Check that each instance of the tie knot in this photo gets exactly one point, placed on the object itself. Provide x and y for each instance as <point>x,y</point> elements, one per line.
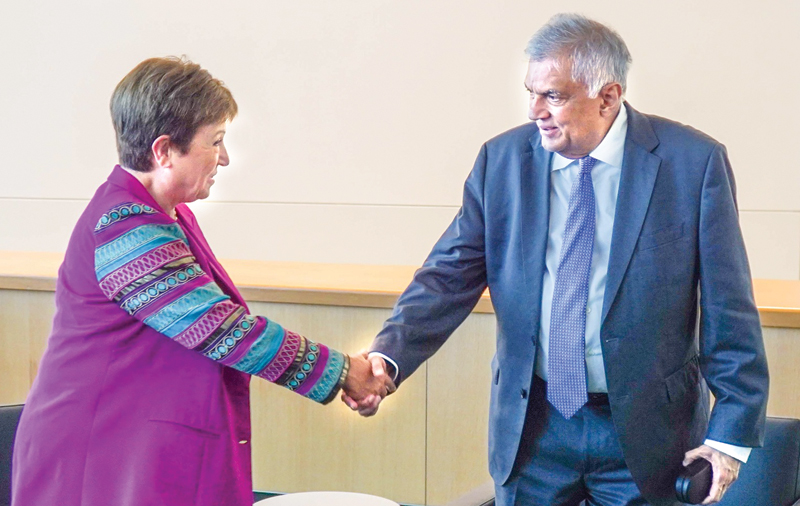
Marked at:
<point>586,163</point>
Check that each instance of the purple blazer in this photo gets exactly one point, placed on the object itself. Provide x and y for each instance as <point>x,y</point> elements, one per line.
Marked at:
<point>142,396</point>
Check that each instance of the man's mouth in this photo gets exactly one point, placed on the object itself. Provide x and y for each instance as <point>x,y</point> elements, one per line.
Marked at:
<point>547,130</point>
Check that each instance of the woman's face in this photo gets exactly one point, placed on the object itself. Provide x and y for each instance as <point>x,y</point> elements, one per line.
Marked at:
<point>193,173</point>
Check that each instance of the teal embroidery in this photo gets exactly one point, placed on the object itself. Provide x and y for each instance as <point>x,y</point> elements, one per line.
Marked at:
<point>121,212</point>
<point>330,377</point>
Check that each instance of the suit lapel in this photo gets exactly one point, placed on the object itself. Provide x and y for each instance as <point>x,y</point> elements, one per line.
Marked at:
<point>637,179</point>
<point>535,205</point>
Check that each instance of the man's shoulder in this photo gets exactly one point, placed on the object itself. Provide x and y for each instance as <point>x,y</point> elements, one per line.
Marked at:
<point>521,135</point>
<point>674,133</point>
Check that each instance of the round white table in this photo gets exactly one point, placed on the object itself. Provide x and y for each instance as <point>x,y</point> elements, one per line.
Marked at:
<point>326,499</point>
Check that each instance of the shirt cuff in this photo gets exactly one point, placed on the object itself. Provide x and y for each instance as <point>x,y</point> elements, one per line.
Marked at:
<point>392,362</point>
<point>740,453</point>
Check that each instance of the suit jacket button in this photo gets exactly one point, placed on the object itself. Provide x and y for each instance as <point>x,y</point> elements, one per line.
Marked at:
<point>523,393</point>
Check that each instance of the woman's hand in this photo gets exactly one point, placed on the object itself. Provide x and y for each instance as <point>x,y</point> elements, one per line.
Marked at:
<point>366,385</point>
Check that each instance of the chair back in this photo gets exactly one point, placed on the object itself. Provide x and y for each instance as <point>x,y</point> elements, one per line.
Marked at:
<point>9,418</point>
<point>771,476</point>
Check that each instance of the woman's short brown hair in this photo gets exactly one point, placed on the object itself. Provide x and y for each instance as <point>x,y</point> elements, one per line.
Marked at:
<point>165,96</point>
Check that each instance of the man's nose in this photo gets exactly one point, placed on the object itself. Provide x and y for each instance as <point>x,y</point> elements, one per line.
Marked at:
<point>537,108</point>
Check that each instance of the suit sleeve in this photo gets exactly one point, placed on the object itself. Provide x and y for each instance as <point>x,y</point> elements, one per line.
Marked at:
<point>732,356</point>
<point>144,264</point>
<point>445,289</point>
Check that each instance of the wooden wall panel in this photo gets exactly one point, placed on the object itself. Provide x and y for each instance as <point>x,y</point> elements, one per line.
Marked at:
<point>299,445</point>
<point>459,377</point>
<point>783,355</point>
<point>26,318</point>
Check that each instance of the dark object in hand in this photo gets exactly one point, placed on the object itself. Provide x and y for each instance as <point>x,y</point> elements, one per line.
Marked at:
<point>694,482</point>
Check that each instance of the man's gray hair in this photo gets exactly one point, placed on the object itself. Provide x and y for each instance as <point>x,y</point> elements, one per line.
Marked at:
<point>596,53</point>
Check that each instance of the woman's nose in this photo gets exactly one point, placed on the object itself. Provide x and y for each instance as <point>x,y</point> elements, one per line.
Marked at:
<point>223,155</point>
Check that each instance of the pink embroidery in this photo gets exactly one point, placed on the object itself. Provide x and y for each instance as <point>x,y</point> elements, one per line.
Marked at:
<point>206,324</point>
<point>143,265</point>
<point>284,358</point>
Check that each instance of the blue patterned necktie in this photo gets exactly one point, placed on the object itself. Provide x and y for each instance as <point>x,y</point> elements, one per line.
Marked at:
<point>566,363</point>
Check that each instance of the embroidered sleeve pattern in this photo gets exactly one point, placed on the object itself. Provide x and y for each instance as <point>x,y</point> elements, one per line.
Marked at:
<point>143,263</point>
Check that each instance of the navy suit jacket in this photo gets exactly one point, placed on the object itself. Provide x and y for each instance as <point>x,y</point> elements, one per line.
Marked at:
<point>678,309</point>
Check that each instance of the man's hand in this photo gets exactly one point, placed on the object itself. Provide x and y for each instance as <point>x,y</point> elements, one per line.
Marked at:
<point>724,467</point>
<point>366,385</point>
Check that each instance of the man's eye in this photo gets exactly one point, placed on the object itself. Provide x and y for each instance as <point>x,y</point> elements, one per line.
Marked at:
<point>555,98</point>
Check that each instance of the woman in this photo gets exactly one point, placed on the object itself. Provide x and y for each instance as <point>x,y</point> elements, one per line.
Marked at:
<point>142,395</point>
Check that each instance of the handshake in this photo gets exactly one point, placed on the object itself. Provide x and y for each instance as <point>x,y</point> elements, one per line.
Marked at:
<point>367,383</point>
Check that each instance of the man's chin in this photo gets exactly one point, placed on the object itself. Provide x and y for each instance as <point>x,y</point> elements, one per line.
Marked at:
<point>550,145</point>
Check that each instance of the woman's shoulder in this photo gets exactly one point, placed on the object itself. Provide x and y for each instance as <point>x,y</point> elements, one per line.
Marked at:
<point>115,210</point>
<point>120,204</point>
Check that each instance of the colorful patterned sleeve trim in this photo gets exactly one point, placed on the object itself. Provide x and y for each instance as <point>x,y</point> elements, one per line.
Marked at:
<point>340,381</point>
<point>143,263</point>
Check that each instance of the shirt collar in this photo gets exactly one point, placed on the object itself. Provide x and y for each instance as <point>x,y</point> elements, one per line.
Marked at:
<point>610,149</point>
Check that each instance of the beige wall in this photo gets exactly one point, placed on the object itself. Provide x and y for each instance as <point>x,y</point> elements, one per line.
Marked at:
<point>361,118</point>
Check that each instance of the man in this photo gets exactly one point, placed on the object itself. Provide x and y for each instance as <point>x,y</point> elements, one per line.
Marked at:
<point>610,244</point>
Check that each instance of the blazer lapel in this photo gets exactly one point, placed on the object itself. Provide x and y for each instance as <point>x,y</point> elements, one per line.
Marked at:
<point>637,179</point>
<point>535,205</point>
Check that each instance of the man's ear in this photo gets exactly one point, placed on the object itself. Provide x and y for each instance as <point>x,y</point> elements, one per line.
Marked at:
<point>611,95</point>
<point>161,150</point>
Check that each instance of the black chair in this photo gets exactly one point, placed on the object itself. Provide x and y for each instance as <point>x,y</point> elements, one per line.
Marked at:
<point>771,476</point>
<point>9,418</point>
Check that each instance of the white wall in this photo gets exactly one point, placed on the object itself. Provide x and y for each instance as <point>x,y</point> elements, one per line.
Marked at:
<point>361,118</point>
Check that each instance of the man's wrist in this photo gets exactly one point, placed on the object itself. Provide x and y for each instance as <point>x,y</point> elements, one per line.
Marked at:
<point>740,453</point>
<point>391,366</point>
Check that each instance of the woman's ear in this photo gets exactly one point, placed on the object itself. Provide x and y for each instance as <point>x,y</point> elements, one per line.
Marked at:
<point>161,149</point>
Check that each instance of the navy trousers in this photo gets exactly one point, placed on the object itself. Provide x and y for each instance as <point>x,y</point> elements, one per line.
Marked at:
<point>563,462</point>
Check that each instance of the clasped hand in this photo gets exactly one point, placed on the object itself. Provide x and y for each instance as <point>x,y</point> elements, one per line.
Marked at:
<point>366,385</point>
<point>725,470</point>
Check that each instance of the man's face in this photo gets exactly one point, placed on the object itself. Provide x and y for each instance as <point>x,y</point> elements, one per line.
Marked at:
<point>571,123</point>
